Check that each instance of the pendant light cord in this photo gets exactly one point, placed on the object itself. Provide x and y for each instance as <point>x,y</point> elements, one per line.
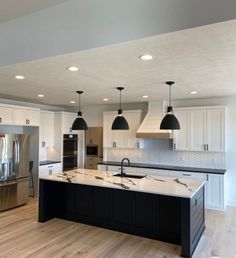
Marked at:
<point>120,100</point>
<point>169,95</point>
<point>79,102</point>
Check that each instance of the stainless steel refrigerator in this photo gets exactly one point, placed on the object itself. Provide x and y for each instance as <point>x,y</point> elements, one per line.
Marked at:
<point>14,170</point>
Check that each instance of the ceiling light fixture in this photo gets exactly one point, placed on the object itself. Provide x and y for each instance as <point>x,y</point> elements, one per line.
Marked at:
<point>79,123</point>
<point>145,96</point>
<point>120,123</point>
<point>72,102</point>
<point>146,57</point>
<point>169,122</point>
<point>193,92</point>
<point>105,99</point>
<point>19,77</point>
<point>73,68</point>
<point>41,95</point>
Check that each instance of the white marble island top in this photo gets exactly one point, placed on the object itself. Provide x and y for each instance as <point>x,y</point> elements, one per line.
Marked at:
<point>170,186</point>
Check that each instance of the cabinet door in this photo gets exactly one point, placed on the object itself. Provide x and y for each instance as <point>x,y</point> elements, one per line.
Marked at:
<point>83,201</point>
<point>20,116</point>
<point>197,130</point>
<point>47,129</point>
<point>102,204</point>
<point>215,130</point>
<point>6,116</point>
<point>109,136</point>
<point>67,121</point>
<point>121,138</point>
<point>181,137</point>
<point>33,117</point>
<point>146,212</point>
<point>123,207</point>
<point>215,192</point>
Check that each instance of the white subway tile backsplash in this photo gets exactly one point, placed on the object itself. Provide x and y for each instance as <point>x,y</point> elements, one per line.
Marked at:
<point>160,152</point>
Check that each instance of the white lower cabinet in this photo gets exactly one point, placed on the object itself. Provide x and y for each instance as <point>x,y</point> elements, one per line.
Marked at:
<point>214,187</point>
<point>101,167</point>
<point>215,192</point>
<point>49,169</point>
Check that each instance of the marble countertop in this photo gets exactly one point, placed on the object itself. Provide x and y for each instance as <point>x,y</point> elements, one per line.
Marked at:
<point>168,167</point>
<point>170,186</point>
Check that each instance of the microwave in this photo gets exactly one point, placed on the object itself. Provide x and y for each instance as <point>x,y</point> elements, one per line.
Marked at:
<point>92,150</point>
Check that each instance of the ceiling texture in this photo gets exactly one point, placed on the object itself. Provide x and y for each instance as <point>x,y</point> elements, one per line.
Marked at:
<point>8,10</point>
<point>201,59</point>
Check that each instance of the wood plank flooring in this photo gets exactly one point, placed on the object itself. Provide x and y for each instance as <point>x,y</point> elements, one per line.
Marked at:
<point>22,236</point>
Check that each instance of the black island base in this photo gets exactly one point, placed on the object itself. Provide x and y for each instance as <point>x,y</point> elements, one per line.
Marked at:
<point>171,219</point>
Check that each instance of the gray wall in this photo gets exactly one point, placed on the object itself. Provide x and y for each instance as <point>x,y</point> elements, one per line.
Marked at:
<point>78,24</point>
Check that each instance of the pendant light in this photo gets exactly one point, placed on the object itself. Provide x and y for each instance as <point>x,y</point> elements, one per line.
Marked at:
<point>79,123</point>
<point>120,123</point>
<point>169,122</point>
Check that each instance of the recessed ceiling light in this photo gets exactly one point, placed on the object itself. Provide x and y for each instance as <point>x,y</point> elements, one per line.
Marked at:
<point>145,96</point>
<point>41,95</point>
<point>146,57</point>
<point>193,92</point>
<point>19,77</point>
<point>105,99</point>
<point>73,68</point>
<point>72,102</point>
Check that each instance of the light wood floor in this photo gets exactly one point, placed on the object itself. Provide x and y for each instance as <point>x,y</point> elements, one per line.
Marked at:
<point>22,236</point>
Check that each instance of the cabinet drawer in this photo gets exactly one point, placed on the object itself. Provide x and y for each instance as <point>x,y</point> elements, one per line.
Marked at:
<point>49,169</point>
<point>187,174</point>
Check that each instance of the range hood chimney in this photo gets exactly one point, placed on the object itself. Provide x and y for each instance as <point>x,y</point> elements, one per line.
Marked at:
<point>150,127</point>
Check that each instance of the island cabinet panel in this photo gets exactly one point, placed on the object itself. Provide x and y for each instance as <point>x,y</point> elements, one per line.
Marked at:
<point>102,204</point>
<point>146,213</point>
<point>83,206</point>
<point>169,219</point>
<point>123,208</point>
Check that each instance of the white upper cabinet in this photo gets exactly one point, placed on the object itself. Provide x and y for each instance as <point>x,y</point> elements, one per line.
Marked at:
<point>6,115</point>
<point>26,116</point>
<point>197,124</point>
<point>46,134</point>
<point>201,129</point>
<point>121,138</point>
<point>215,130</point>
<point>67,121</point>
<point>18,115</point>
<point>181,137</point>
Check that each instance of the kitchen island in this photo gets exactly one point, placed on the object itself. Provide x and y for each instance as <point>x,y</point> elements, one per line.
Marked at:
<point>164,208</point>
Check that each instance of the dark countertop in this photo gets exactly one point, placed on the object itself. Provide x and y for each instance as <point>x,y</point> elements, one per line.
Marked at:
<point>48,162</point>
<point>166,167</point>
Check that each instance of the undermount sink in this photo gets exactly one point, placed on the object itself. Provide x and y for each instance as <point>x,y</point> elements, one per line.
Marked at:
<point>130,176</point>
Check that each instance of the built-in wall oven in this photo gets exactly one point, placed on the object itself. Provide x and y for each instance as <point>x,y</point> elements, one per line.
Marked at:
<point>70,151</point>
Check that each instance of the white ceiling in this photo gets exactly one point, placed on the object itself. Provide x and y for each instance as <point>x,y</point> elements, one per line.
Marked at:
<point>11,9</point>
<point>201,59</point>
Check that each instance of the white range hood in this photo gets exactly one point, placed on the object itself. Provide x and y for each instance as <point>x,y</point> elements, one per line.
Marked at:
<point>150,127</point>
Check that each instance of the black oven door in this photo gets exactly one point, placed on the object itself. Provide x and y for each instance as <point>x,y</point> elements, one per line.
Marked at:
<point>70,162</point>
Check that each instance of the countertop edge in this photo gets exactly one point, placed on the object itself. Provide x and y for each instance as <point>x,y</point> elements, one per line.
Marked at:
<point>133,190</point>
<point>189,169</point>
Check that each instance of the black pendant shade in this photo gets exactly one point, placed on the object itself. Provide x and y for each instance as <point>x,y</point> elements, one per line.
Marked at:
<point>79,123</point>
<point>120,123</point>
<point>170,122</point>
